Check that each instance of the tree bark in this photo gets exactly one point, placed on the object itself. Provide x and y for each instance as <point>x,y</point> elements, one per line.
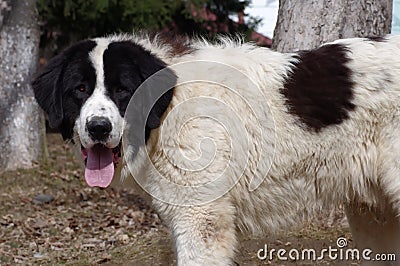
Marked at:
<point>307,24</point>
<point>21,134</point>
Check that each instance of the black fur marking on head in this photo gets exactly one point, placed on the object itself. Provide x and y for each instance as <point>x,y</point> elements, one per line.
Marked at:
<point>126,66</point>
<point>319,90</point>
<point>56,87</point>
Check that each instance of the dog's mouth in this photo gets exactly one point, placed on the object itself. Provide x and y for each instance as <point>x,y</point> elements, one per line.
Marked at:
<point>100,162</point>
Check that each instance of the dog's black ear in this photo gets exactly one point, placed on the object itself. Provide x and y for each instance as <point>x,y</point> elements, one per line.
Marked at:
<point>48,90</point>
<point>165,78</point>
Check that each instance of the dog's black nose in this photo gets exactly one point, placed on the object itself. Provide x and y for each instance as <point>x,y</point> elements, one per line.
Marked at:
<point>99,128</point>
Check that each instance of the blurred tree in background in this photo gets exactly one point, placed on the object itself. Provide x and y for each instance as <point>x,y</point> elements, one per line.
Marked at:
<point>66,21</point>
<point>208,17</point>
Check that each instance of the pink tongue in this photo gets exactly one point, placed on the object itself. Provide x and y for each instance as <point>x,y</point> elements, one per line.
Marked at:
<point>99,166</point>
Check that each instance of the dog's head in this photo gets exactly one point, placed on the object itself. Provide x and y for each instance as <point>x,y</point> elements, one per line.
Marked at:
<point>85,91</point>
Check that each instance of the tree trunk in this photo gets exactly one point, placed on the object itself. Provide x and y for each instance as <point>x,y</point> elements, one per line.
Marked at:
<point>21,134</point>
<point>307,24</point>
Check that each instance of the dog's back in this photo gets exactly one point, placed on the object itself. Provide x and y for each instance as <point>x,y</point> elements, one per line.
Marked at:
<point>321,129</point>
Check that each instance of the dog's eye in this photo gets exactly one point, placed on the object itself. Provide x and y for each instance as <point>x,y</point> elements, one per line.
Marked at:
<point>81,88</point>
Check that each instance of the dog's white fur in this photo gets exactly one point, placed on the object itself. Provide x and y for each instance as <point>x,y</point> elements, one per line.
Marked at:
<point>355,163</point>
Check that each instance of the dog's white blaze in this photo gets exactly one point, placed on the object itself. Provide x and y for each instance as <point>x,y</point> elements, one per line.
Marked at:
<point>99,104</point>
<point>96,57</point>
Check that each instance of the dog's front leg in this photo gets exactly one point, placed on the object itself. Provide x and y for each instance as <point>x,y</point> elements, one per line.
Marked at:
<point>203,235</point>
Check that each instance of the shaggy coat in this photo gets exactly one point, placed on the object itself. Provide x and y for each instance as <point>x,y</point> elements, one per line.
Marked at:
<point>244,139</point>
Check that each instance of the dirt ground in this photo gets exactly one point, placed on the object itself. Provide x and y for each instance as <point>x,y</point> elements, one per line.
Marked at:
<point>49,216</point>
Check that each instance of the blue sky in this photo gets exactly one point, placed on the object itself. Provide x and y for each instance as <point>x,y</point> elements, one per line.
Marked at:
<point>268,10</point>
<point>396,17</point>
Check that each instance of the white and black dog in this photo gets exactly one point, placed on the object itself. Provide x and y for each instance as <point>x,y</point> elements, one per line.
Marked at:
<point>321,128</point>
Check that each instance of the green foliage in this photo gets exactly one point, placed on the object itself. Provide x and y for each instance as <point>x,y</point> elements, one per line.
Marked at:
<point>87,18</point>
<point>70,20</point>
<point>222,9</point>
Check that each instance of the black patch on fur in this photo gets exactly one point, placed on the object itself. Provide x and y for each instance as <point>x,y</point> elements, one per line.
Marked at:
<point>377,38</point>
<point>56,86</point>
<point>319,90</point>
<point>126,66</point>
